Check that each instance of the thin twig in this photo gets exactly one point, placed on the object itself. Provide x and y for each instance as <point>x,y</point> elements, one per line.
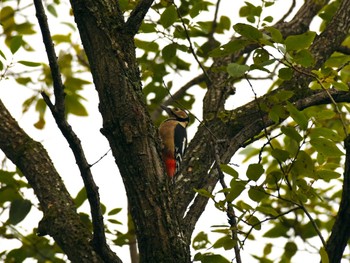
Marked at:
<point>230,211</point>
<point>137,15</point>
<point>58,112</point>
<point>191,46</point>
<point>178,94</point>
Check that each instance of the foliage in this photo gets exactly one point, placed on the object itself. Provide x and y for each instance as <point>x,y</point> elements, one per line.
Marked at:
<point>289,185</point>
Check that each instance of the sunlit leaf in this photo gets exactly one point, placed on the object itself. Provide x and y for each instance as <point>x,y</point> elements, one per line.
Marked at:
<point>298,116</point>
<point>229,170</point>
<point>298,42</point>
<point>275,34</point>
<point>29,63</point>
<point>236,70</point>
<point>326,147</point>
<point>324,255</point>
<point>280,155</point>
<point>292,133</point>
<point>204,192</point>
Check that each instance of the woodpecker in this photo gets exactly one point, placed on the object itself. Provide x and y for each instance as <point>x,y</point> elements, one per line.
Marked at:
<point>174,139</point>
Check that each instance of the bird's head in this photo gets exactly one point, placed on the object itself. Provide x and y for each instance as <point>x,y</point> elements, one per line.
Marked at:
<point>176,114</point>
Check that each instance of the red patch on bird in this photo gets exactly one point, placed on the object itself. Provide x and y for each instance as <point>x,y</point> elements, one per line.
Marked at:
<point>170,165</point>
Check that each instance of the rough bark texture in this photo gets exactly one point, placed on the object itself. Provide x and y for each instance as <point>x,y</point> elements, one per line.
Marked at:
<point>60,220</point>
<point>341,229</point>
<point>127,126</point>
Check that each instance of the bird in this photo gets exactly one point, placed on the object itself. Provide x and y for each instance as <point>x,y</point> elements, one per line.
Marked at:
<point>173,135</point>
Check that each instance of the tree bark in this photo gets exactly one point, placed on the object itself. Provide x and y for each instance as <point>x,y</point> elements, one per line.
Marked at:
<point>60,220</point>
<point>109,45</point>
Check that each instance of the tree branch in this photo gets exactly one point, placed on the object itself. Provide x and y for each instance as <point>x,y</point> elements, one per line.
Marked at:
<point>244,122</point>
<point>60,219</point>
<point>341,229</point>
<point>137,15</point>
<point>58,112</point>
<point>214,100</point>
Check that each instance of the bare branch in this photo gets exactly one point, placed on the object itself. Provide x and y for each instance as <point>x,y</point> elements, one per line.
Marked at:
<point>341,229</point>
<point>58,112</point>
<point>51,54</point>
<point>191,46</point>
<point>137,15</point>
<point>60,220</point>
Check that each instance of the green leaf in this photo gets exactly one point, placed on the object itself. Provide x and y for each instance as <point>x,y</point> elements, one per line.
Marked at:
<point>276,35</point>
<point>280,155</point>
<point>326,147</point>
<point>29,63</point>
<point>327,175</point>
<point>298,42</point>
<point>260,56</point>
<point>210,258</point>
<point>8,194</point>
<point>341,86</point>
<point>168,17</point>
<point>2,54</point>
<point>147,45</point>
<point>169,52</point>
<point>200,241</point>
<point>16,43</point>
<point>229,48</point>
<point>278,230</point>
<point>303,165</point>
<point>254,171</point>
<point>257,193</point>
<point>225,242</point>
<point>229,170</point>
<point>285,73</point>
<point>298,116</point>
<point>74,106</point>
<point>247,31</point>
<point>80,198</point>
<point>326,133</point>
<point>114,211</point>
<point>255,222</point>
<point>267,210</point>
<point>19,209</point>
<point>303,58</point>
<point>204,192</point>
<point>324,255</point>
<point>236,70</point>
<point>292,133</point>
<point>290,249</point>
<point>52,10</point>
<point>237,187</point>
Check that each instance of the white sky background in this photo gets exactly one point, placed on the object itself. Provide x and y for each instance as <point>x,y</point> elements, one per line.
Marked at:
<point>95,145</point>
